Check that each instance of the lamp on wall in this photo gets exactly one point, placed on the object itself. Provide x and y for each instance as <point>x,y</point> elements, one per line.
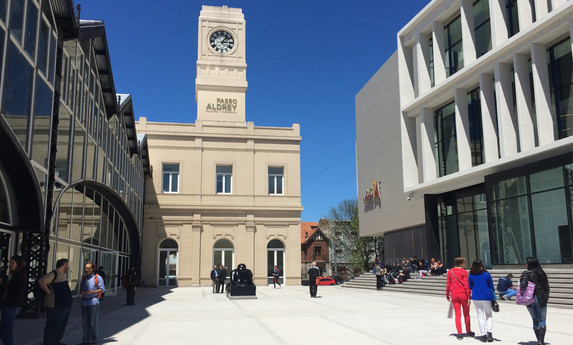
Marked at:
<point>410,196</point>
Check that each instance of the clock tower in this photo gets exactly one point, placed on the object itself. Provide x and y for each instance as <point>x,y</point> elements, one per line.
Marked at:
<point>221,82</point>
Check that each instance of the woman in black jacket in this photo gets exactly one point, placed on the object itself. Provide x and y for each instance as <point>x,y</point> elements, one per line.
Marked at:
<point>14,290</point>
<point>538,309</point>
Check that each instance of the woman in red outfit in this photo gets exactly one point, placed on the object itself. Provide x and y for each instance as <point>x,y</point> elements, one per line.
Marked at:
<point>458,291</point>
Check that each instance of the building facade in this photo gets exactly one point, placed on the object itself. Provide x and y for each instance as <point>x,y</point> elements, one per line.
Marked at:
<point>314,247</point>
<point>71,176</point>
<point>223,191</point>
<point>484,117</point>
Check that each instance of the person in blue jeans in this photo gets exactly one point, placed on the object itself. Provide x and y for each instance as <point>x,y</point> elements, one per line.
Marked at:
<point>14,289</point>
<point>538,309</point>
<point>92,286</point>
<point>505,287</point>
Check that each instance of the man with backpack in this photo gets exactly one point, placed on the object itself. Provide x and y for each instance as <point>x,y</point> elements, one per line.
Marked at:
<point>91,289</point>
<point>57,302</point>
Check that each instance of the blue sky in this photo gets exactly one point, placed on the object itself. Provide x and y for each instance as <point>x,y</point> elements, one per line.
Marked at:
<point>306,61</point>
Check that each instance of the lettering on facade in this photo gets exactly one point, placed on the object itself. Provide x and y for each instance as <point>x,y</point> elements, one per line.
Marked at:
<point>223,105</point>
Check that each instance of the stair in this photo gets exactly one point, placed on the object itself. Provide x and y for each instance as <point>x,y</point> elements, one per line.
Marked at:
<point>560,281</point>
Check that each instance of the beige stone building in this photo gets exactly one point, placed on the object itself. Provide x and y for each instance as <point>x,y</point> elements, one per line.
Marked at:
<point>222,190</point>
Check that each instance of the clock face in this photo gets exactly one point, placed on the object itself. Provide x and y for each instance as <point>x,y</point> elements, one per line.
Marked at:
<point>222,41</point>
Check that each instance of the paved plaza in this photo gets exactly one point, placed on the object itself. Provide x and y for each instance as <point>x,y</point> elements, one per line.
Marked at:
<point>289,316</point>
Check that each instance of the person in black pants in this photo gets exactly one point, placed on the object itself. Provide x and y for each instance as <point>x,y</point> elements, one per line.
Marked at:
<point>131,281</point>
<point>313,273</point>
<point>221,279</point>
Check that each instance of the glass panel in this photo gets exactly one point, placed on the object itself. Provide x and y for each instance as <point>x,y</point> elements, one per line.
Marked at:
<point>75,271</point>
<point>217,257</point>
<point>88,228</point>
<point>223,243</point>
<point>561,77</point>
<point>97,220</point>
<point>64,129</point>
<point>43,40</point>
<point>483,237</point>
<point>16,19</point>
<point>514,230</point>
<point>109,263</point>
<point>77,214</point>
<point>482,27</point>
<point>64,215</point>
<point>511,187</point>
<point>78,152</point>
<point>454,58</point>
<point>3,10</point>
<point>52,57</point>
<point>162,268</point>
<point>31,22</point>
<point>270,266</point>
<point>172,273</point>
<point>4,210</point>
<point>547,179</point>
<point>90,157</point>
<point>42,121</point>
<point>551,227</point>
<point>17,93</point>
<point>445,140</point>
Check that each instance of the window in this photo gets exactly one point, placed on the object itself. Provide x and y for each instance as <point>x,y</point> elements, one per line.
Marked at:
<point>482,27</point>
<point>445,146</point>
<point>317,251</point>
<point>476,131</point>
<point>170,178</point>
<point>561,79</point>
<point>454,57</point>
<point>224,179</point>
<point>431,62</point>
<point>511,17</point>
<point>276,178</point>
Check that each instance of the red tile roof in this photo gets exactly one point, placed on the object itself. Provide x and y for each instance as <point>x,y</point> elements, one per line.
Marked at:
<point>307,229</point>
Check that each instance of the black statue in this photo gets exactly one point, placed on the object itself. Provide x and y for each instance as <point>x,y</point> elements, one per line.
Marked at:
<point>241,276</point>
<point>241,285</point>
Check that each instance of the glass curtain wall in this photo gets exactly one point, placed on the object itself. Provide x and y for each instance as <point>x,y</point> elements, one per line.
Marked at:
<point>445,145</point>
<point>453,52</point>
<point>532,216</point>
<point>463,227</point>
<point>86,222</point>
<point>476,129</point>
<point>482,27</point>
<point>561,79</point>
<point>511,17</point>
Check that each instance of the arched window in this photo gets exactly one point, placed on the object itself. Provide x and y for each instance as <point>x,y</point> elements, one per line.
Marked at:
<point>223,253</point>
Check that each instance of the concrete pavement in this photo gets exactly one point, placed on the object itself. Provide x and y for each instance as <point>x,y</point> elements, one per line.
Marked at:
<point>288,315</point>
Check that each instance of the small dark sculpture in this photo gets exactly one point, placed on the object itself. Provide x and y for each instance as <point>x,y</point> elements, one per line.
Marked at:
<point>241,276</point>
<point>241,285</point>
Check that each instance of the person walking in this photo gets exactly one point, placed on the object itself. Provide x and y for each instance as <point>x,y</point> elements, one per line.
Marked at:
<point>214,274</point>
<point>221,279</point>
<point>458,292</point>
<point>481,284</point>
<point>14,289</point>
<point>538,309</point>
<point>276,274</point>
<point>57,303</point>
<point>313,273</point>
<point>131,281</point>
<point>92,285</point>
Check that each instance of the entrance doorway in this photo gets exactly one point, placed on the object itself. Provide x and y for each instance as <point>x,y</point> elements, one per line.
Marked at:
<point>224,253</point>
<point>167,276</point>
<point>275,257</point>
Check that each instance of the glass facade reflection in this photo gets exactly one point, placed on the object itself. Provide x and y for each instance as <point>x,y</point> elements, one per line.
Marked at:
<point>80,188</point>
<point>531,215</point>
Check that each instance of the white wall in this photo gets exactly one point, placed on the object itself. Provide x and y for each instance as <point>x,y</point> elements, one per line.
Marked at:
<point>379,157</point>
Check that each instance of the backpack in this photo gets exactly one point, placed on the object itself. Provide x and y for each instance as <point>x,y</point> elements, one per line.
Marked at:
<point>96,285</point>
<point>39,293</point>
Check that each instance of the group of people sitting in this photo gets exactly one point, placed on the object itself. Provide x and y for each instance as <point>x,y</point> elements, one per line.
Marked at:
<point>399,273</point>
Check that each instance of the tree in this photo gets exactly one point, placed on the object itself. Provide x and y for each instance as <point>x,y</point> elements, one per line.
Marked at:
<point>345,231</point>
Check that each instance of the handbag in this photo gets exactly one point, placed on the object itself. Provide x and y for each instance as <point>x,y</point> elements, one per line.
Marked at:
<point>525,295</point>
<point>494,304</point>
<point>451,310</point>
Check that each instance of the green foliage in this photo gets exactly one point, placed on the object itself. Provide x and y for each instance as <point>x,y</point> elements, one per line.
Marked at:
<point>345,231</point>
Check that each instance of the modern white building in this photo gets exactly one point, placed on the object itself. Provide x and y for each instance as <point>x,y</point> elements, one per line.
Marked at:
<point>482,166</point>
